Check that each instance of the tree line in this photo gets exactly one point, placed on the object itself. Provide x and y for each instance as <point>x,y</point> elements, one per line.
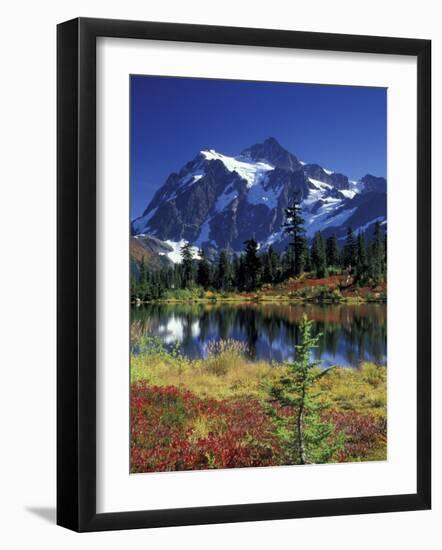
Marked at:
<point>363,257</point>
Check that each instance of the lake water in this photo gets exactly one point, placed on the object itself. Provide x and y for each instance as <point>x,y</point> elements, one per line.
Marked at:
<point>351,333</point>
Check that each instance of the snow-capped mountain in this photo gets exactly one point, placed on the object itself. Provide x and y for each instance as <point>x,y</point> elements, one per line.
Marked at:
<point>218,201</point>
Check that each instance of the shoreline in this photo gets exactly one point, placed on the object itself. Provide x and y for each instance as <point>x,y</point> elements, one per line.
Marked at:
<point>330,290</point>
<point>260,300</point>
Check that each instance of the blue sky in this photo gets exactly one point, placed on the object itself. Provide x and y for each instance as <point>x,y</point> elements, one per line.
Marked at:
<point>342,128</point>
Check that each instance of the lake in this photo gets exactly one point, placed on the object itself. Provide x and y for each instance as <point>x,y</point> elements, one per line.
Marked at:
<point>351,333</point>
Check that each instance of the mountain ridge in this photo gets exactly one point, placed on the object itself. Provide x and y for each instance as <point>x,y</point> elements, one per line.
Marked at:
<point>218,201</point>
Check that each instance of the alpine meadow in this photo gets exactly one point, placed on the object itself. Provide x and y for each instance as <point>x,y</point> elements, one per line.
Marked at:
<point>258,283</point>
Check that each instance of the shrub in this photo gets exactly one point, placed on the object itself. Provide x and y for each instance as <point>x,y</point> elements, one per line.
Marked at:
<point>376,297</point>
<point>216,347</point>
<point>333,270</point>
<point>373,374</point>
<point>362,390</point>
<point>185,294</point>
<point>174,430</point>
<point>224,355</point>
<point>364,436</point>
<point>320,293</point>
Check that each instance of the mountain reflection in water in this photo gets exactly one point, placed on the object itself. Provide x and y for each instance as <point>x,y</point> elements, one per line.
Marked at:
<point>351,333</point>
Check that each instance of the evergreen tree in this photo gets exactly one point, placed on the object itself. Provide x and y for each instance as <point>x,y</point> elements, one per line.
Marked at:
<point>252,265</point>
<point>377,264</point>
<point>308,257</point>
<point>241,275</point>
<point>203,276</point>
<point>133,289</point>
<point>318,257</point>
<point>177,276</point>
<point>294,226</point>
<point>167,278</point>
<point>145,293</point>
<point>271,266</point>
<point>235,271</point>
<point>143,270</point>
<point>306,438</point>
<point>362,259</point>
<point>187,265</point>
<point>288,262</point>
<point>224,272</point>
<point>332,251</point>
<point>142,289</point>
<point>156,286</point>
<point>349,254</point>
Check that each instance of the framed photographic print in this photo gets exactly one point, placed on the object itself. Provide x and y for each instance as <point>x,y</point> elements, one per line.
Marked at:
<point>243,274</point>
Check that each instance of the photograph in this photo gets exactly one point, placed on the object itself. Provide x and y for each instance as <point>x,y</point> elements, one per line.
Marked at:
<point>258,264</point>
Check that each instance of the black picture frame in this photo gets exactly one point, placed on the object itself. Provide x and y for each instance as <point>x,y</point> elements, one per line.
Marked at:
<point>76,274</point>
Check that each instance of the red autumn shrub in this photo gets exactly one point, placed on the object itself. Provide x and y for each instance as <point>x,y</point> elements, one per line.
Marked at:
<point>362,434</point>
<point>164,437</point>
<point>238,432</point>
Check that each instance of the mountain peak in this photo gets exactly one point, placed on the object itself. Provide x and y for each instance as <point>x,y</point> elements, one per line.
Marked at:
<point>272,151</point>
<point>374,183</point>
<point>271,141</point>
<point>217,201</point>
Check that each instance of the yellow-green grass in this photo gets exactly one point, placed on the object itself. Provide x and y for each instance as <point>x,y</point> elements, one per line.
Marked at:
<point>362,390</point>
<point>219,376</point>
<point>230,374</point>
